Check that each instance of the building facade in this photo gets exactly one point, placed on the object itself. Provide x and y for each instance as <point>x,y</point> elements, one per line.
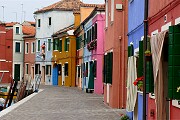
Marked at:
<point>64,57</point>
<point>6,46</point>
<point>135,38</point>
<point>115,48</point>
<point>47,25</point>
<point>163,16</point>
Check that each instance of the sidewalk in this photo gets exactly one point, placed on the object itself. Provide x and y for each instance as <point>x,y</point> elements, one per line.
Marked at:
<point>62,103</point>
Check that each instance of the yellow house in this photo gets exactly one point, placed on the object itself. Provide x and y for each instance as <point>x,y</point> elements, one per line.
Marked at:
<point>64,57</point>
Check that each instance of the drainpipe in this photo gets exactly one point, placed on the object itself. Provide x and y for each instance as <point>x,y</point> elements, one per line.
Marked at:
<point>144,49</point>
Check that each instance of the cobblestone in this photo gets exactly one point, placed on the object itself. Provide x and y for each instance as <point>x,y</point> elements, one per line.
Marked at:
<point>62,103</point>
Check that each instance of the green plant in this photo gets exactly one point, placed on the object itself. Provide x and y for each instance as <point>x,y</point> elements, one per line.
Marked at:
<point>124,117</point>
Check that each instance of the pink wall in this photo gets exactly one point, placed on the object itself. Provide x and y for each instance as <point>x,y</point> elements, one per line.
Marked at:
<point>99,53</point>
<point>155,23</point>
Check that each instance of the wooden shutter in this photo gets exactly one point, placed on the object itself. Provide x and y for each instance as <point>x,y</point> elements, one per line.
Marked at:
<point>173,62</point>
<point>130,50</point>
<point>65,44</point>
<point>110,67</point>
<point>16,72</point>
<point>140,60</point>
<point>60,45</point>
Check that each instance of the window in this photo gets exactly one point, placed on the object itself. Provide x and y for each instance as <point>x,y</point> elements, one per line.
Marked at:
<point>90,34</point>
<point>59,69</point>
<point>38,45</point>
<point>112,10</point>
<point>39,22</point>
<point>66,69</point>
<point>86,69</point>
<point>88,38</point>
<point>60,45</point>
<point>17,72</point>
<point>55,44</point>
<point>32,47</point>
<point>79,71</point>
<point>48,69</point>
<point>27,68</point>
<point>67,42</point>
<point>49,44</point>
<point>37,68</point>
<point>107,12</point>
<point>93,33</point>
<point>17,48</point>
<point>95,30</point>
<point>17,30</point>
<point>84,39</point>
<point>49,20</point>
<point>27,48</point>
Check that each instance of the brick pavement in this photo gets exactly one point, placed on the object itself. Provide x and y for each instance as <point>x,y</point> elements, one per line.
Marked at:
<point>62,103</point>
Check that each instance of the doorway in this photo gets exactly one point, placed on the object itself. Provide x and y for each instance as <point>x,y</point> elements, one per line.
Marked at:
<point>63,75</point>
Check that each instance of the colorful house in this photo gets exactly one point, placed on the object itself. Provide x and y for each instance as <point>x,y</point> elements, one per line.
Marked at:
<point>164,16</point>
<point>135,43</point>
<point>47,24</point>
<point>29,52</point>
<point>115,57</point>
<point>82,13</point>
<point>93,50</point>
<point>6,48</point>
<point>64,57</point>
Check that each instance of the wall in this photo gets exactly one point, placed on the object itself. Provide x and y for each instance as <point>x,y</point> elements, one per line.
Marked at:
<point>116,41</point>
<point>158,23</point>
<point>85,11</point>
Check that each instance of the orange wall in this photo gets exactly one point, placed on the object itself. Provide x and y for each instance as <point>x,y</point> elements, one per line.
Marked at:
<point>69,57</point>
<point>85,12</point>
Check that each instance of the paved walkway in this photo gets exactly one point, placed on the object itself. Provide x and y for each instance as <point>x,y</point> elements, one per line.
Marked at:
<point>62,103</point>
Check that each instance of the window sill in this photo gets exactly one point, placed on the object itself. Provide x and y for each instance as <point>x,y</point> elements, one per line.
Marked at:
<point>152,95</point>
<point>175,103</point>
<point>55,50</point>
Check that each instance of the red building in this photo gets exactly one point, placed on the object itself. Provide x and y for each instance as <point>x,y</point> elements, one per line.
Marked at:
<point>6,48</point>
<point>162,14</point>
<point>115,48</point>
<point>29,51</point>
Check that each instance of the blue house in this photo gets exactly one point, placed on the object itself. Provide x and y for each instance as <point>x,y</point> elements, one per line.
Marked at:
<point>135,38</point>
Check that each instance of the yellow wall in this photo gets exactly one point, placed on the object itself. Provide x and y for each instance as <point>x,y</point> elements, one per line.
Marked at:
<point>85,12</point>
<point>70,57</point>
<point>77,19</point>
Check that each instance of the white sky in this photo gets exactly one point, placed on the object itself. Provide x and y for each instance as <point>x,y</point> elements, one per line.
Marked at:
<point>13,7</point>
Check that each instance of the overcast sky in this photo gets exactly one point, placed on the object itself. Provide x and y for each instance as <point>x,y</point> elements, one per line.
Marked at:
<point>15,7</point>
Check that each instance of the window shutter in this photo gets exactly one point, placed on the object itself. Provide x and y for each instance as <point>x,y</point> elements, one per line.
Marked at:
<point>104,70</point>
<point>65,44</point>
<point>60,45</point>
<point>84,38</point>
<point>77,43</point>
<point>140,60</point>
<point>173,63</point>
<point>110,67</point>
<point>108,75</point>
<point>95,30</point>
<point>130,50</point>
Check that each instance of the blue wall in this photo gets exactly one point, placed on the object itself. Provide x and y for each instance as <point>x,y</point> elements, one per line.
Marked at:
<point>140,106</point>
<point>135,22</point>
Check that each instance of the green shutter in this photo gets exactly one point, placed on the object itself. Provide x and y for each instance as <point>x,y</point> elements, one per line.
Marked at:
<point>104,70</point>
<point>16,72</point>
<point>108,75</point>
<point>149,77</point>
<point>140,60</point>
<point>130,50</point>
<point>110,67</point>
<point>65,44</point>
<point>91,77</point>
<point>173,62</point>
<point>60,45</point>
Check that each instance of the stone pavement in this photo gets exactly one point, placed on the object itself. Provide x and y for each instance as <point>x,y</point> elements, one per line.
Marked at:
<point>64,103</point>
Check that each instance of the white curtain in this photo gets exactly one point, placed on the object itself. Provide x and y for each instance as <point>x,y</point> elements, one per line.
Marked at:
<point>131,89</point>
<point>157,42</point>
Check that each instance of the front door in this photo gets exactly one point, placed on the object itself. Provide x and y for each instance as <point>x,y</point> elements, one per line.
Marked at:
<point>63,76</point>
<point>17,72</point>
<point>43,74</point>
<point>55,75</point>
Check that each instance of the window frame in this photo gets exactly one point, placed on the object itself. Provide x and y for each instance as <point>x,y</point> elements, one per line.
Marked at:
<point>49,21</point>
<point>33,47</point>
<point>17,33</point>
<point>27,68</point>
<point>49,45</point>
<point>39,23</point>
<point>38,45</point>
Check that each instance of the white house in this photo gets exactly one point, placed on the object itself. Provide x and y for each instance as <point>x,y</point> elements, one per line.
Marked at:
<point>49,20</point>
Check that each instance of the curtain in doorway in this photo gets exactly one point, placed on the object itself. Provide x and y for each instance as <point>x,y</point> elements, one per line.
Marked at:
<point>131,89</point>
<point>157,42</point>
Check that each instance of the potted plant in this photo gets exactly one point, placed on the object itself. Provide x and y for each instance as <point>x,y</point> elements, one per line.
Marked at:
<point>139,83</point>
<point>124,117</point>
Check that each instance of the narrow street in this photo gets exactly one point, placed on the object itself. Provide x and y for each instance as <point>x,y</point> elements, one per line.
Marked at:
<point>63,103</point>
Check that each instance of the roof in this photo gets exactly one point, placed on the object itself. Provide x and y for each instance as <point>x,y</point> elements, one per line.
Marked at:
<point>29,36</point>
<point>94,5</point>
<point>71,27</point>
<point>28,30</point>
<point>10,24</point>
<point>63,5</point>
